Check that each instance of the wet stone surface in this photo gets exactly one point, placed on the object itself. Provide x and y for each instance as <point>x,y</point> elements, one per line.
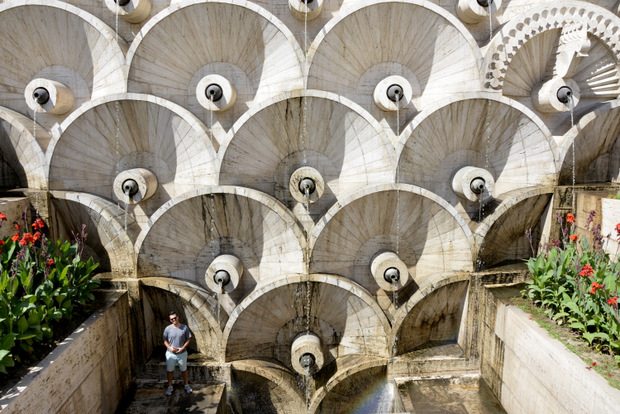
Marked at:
<point>148,397</point>
<point>449,396</point>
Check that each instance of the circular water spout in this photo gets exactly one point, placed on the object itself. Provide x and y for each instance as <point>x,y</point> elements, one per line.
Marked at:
<point>214,92</point>
<point>48,96</point>
<point>473,184</point>
<point>307,185</point>
<point>132,11</point>
<point>41,95</point>
<point>395,93</point>
<point>474,11</point>
<point>139,183</point>
<point>222,277</point>
<point>307,360</point>
<point>304,10</point>
<point>306,178</point>
<point>306,353</point>
<point>130,187</point>
<point>391,275</point>
<point>389,271</point>
<point>564,94</point>
<point>477,185</point>
<point>556,95</point>
<point>224,273</point>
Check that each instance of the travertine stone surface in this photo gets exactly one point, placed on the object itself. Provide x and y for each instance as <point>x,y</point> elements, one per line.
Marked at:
<point>305,96</point>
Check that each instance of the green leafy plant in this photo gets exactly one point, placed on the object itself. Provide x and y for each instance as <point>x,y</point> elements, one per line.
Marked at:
<point>575,282</point>
<point>42,285</point>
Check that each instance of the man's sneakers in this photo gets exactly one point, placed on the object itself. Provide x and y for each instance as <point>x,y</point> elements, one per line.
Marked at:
<point>169,390</point>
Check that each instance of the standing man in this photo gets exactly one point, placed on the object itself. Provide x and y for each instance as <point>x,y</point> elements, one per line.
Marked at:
<point>176,339</point>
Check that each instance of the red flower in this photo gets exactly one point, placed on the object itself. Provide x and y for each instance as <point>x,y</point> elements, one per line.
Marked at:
<point>587,271</point>
<point>570,218</point>
<point>594,364</point>
<point>3,218</point>
<point>26,239</point>
<point>2,242</point>
<point>16,226</point>
<point>15,237</point>
<point>618,229</point>
<point>38,224</point>
<point>594,287</point>
<point>613,301</point>
<point>36,236</point>
<point>50,262</point>
<point>573,237</point>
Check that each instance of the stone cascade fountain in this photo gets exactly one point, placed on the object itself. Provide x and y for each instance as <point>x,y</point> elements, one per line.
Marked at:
<point>321,201</point>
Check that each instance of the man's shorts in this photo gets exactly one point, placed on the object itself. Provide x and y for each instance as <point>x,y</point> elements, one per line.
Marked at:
<point>173,359</point>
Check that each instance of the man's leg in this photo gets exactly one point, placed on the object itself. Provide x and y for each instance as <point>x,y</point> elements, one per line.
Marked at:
<point>185,377</point>
<point>171,377</point>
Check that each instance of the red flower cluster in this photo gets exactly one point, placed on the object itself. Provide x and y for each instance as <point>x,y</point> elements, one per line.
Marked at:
<point>570,218</point>
<point>618,229</point>
<point>50,262</point>
<point>613,301</point>
<point>573,237</point>
<point>587,271</point>
<point>3,218</point>
<point>38,224</point>
<point>27,238</point>
<point>595,286</point>
<point>15,237</point>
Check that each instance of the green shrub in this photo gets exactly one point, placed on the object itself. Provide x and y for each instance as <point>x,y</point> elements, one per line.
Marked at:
<point>575,281</point>
<point>42,285</point>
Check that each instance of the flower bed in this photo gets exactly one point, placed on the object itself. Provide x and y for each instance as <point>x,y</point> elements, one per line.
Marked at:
<point>576,282</point>
<point>42,285</point>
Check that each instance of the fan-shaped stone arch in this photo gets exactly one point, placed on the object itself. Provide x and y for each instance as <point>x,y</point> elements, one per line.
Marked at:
<point>501,236</point>
<point>21,154</point>
<point>186,234</point>
<point>280,392</point>
<point>108,240</point>
<point>435,314</point>
<point>427,234</point>
<point>342,314</point>
<point>196,307</point>
<point>356,385</point>
<point>591,149</point>
<point>83,56</point>
<point>315,129</point>
<point>132,131</point>
<point>494,134</point>
<point>519,31</point>
<point>260,57</point>
<point>374,40</point>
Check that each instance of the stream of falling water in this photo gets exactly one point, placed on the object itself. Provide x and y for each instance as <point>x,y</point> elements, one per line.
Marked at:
<point>397,178</point>
<point>304,111</point>
<point>218,293</point>
<point>126,202</point>
<point>117,109</point>
<point>490,12</point>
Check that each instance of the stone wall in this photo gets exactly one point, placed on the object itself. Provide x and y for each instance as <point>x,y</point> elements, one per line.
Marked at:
<point>529,371</point>
<point>89,372</point>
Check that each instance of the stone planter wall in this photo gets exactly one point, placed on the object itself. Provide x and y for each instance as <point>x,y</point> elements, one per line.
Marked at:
<point>89,372</point>
<point>529,371</point>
